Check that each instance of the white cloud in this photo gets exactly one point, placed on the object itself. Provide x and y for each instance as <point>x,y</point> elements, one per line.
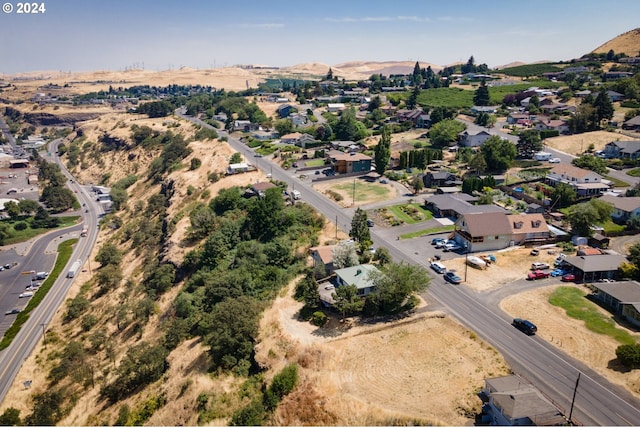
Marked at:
<point>348,19</point>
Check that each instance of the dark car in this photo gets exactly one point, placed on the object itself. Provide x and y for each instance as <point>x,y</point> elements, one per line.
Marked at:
<point>13,311</point>
<point>370,223</point>
<point>525,326</point>
<point>437,240</point>
<point>452,277</point>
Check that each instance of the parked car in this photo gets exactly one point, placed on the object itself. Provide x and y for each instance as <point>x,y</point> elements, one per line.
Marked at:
<point>437,240</point>
<point>370,223</point>
<point>540,266</point>
<point>538,274</point>
<point>534,252</point>
<point>26,294</point>
<point>452,277</point>
<point>558,272</point>
<point>441,244</point>
<point>451,246</point>
<point>525,326</point>
<point>12,311</point>
<point>569,278</point>
<point>554,160</point>
<point>438,268</point>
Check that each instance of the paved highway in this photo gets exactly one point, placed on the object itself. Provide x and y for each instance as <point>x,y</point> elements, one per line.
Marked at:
<point>598,402</point>
<point>33,329</point>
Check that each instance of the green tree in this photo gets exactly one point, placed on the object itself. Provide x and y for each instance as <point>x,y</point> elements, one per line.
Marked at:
<point>591,162</point>
<point>417,184</point>
<point>233,329</point>
<point>529,143</point>
<point>416,78</point>
<point>382,151</point>
<point>563,195</point>
<point>348,128</point>
<point>478,163</point>
<point>265,215</point>
<point>28,206</point>
<point>382,256</point>
<point>394,284</point>
<point>235,158</point>
<point>109,254</point>
<point>10,417</point>
<point>603,106</point>
<point>446,132</point>
<point>481,96</point>
<point>283,126</point>
<point>498,153</point>
<point>584,215</point>
<point>412,101</point>
<point>119,198</point>
<point>12,209</point>
<point>359,228</point>
<point>57,198</point>
<point>344,255</point>
<point>347,300</point>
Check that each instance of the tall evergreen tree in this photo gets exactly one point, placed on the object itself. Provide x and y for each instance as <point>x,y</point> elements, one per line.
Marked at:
<point>417,75</point>
<point>481,96</point>
<point>382,151</point>
<point>360,229</point>
<point>603,106</point>
<point>413,98</point>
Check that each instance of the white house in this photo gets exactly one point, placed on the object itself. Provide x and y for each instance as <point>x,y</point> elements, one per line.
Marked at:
<point>335,108</point>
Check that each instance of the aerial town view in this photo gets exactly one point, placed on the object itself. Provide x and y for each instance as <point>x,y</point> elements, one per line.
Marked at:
<point>319,214</point>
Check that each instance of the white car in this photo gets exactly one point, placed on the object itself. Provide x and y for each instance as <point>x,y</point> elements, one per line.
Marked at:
<point>554,160</point>
<point>26,294</point>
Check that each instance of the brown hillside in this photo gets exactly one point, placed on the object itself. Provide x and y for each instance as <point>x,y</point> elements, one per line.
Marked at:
<point>627,43</point>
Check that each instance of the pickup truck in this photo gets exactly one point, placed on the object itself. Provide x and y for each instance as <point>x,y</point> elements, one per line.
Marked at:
<point>538,274</point>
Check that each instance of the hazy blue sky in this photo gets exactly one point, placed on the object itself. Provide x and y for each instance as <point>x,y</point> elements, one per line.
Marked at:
<point>79,35</point>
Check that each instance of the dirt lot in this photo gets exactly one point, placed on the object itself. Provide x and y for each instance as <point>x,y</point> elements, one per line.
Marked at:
<point>577,144</point>
<point>378,192</point>
<point>429,360</point>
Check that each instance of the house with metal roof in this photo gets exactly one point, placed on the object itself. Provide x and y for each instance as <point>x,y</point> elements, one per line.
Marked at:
<point>511,401</point>
<point>456,204</point>
<point>590,268</point>
<point>623,298</point>
<point>358,275</point>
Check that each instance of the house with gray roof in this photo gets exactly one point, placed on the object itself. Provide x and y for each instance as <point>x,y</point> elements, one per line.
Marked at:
<point>632,124</point>
<point>622,150</point>
<point>623,298</point>
<point>623,207</point>
<point>467,139</point>
<point>511,401</point>
<point>590,268</point>
<point>456,204</point>
<point>586,183</point>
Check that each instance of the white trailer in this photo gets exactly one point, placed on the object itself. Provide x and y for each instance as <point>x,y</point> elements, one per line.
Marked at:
<point>542,155</point>
<point>74,269</point>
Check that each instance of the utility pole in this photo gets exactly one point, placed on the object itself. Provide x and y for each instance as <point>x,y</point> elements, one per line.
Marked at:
<point>336,227</point>
<point>354,192</point>
<point>466,260</point>
<point>573,400</point>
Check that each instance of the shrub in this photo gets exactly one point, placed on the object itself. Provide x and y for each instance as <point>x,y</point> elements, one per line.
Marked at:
<point>629,355</point>
<point>18,226</point>
<point>319,318</point>
<point>195,163</point>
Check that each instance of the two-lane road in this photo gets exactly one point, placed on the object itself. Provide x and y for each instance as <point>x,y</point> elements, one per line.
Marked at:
<point>598,402</point>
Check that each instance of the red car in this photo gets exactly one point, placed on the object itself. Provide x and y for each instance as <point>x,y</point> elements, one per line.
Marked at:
<point>538,274</point>
<point>568,278</point>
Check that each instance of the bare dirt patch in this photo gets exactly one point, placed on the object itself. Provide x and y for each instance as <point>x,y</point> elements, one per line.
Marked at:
<point>379,192</point>
<point>571,336</point>
<point>577,144</point>
<point>511,264</point>
<point>426,367</point>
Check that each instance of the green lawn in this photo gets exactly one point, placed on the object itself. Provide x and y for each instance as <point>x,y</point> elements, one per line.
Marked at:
<point>17,236</point>
<point>364,191</point>
<point>314,163</point>
<point>617,182</point>
<point>427,231</point>
<point>573,301</point>
<point>410,213</point>
<point>634,172</point>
